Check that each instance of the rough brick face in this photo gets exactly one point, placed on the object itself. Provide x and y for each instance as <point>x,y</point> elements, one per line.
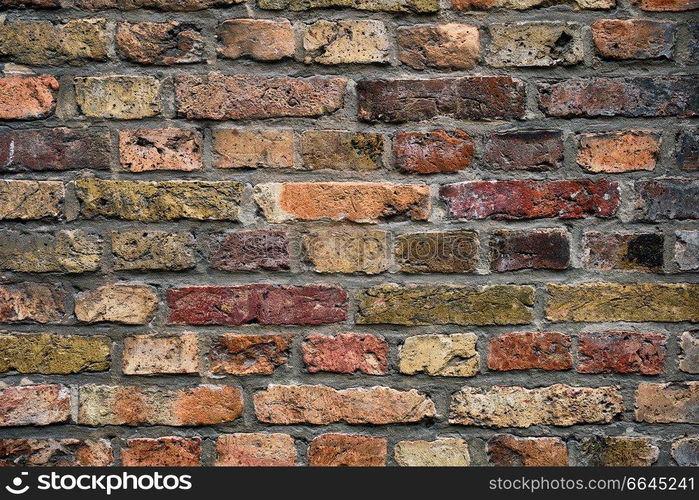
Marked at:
<point>346,353</point>
<point>526,350</point>
<point>238,354</point>
<point>258,39</point>
<point>443,452</point>
<point>161,452</point>
<point>618,152</point>
<point>455,46</point>
<point>120,97</point>
<point>343,42</point>
<point>532,150</point>
<point>31,302</point>
<point>34,405</point>
<point>672,402</point>
<point>619,451</point>
<point>331,251</point>
<point>27,97</point>
<point>73,251</point>
<point>435,152</point>
<point>129,304</point>
<point>534,44</point>
<point>159,43</point>
<point>633,39</point>
<point>337,450</point>
<point>539,249</point>
<point>622,251</point>
<point>150,354</point>
<point>622,352</point>
<point>505,450</point>
<point>250,251</point>
<point>25,200</point>
<point>152,251</point>
<point>689,358</point>
<point>330,149</point>
<point>54,354</point>
<point>255,450</point>
<point>452,355</point>
<point>164,149</point>
<point>235,148</point>
<point>668,199</point>
<point>452,252</point>
<point>55,453</point>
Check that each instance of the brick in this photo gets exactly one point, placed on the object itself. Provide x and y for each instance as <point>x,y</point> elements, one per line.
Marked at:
<point>689,352</point>
<point>34,405</point>
<point>674,402</point>
<point>120,97</point>
<point>217,97</point>
<point>27,97</point>
<point>254,250</point>
<point>321,405</point>
<point>686,452</point>
<point>117,303</point>
<point>52,354</point>
<point>42,43</point>
<point>633,302</point>
<point>31,302</point>
<point>338,150</point>
<point>347,251</point>
<point>687,149</point>
<point>257,303</point>
<point>346,42</point>
<point>159,200</point>
<point>255,450</point>
<point>615,451</point>
<point>161,452</point>
<point>237,354</point>
<point>346,353</point>
<point>55,453</point>
<point>668,199</point>
<point>559,405</point>
<point>533,249</point>
<point>152,251</point>
<point>633,38</point>
<point>410,6</point>
<point>56,148</point>
<point>666,5</point>
<point>343,450</point>
<point>33,4</point>
<point>505,450</point>
<point>693,48</point>
<point>73,251</point>
<point>448,46</point>
<point>622,352</point>
<point>174,5</point>
<point>447,252</point>
<point>26,200</point>
<point>434,152</point>
<point>623,251</point>
<point>527,350</point>
<point>466,98</point>
<point>538,44</point>
<point>365,202</point>
<point>530,199</point>
<point>235,148</point>
<point>154,354</point>
<point>530,150</point>
<point>530,4</point>
<point>150,405</point>
<point>642,96</point>
<point>452,355</point>
<point>445,304</point>
<point>143,150</point>
<point>159,43</point>
<point>259,39</point>
<point>618,152</point>
<point>442,452</point>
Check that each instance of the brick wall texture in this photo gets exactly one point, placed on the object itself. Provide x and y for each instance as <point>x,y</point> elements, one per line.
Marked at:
<point>349,232</point>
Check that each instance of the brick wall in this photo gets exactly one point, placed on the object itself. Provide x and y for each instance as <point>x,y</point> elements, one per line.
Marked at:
<point>335,232</point>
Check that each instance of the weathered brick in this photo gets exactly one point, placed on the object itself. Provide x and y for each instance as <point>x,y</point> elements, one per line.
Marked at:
<point>117,303</point>
<point>667,403</point>
<point>622,352</point>
<point>527,350</point>
<point>34,405</point>
<point>445,304</point>
<point>533,249</point>
<point>152,251</point>
<point>74,251</point>
<point>174,5</point>
<point>217,97</point>
<point>239,354</point>
<point>622,251</point>
<point>235,148</point>
<point>346,353</point>
<point>618,152</point>
<point>687,149</point>
<point>534,44</point>
<point>34,302</point>
<point>530,4</point>
<point>27,97</point>
<point>689,354</point>
<point>142,150</point>
<point>161,452</point>
<point>642,96</point>
<point>442,452</point>
<point>505,450</point>
<point>55,452</point>
<point>668,199</point>
<point>353,201</point>
<point>259,39</point>
<point>318,404</point>
<point>633,38</point>
<point>121,97</point>
<point>444,252</point>
<point>342,450</point>
<point>338,150</point>
<point>452,46</point>
<point>693,48</point>
<point>530,199</point>
<point>666,5</point>
<point>615,451</point>
<point>434,152</point>
<point>26,200</point>
<point>249,250</point>
<point>150,405</point>
<point>347,251</point>
<point>159,200</point>
<point>686,452</point>
<point>452,355</point>
<point>466,98</point>
<point>410,6</point>
<point>52,354</point>
<point>150,354</point>
<point>257,303</point>
<point>159,43</point>
<point>255,450</point>
<point>532,150</point>
<point>559,405</point>
<point>634,302</point>
<point>33,4</point>
<point>346,42</point>
<point>56,148</point>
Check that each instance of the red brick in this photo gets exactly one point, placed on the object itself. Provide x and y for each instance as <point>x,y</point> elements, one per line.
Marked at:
<point>259,39</point>
<point>618,152</point>
<point>341,450</point>
<point>526,350</point>
<point>143,150</point>
<point>534,249</point>
<point>346,353</point>
<point>255,450</point>
<point>161,452</point>
<point>667,5</point>
<point>250,251</point>
<point>27,97</point>
<point>34,405</point>
<point>31,302</point>
<point>633,38</point>
<point>239,354</point>
<point>435,152</point>
<point>668,199</point>
<point>622,352</point>
<point>505,450</point>
<point>531,150</point>
<point>55,453</point>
